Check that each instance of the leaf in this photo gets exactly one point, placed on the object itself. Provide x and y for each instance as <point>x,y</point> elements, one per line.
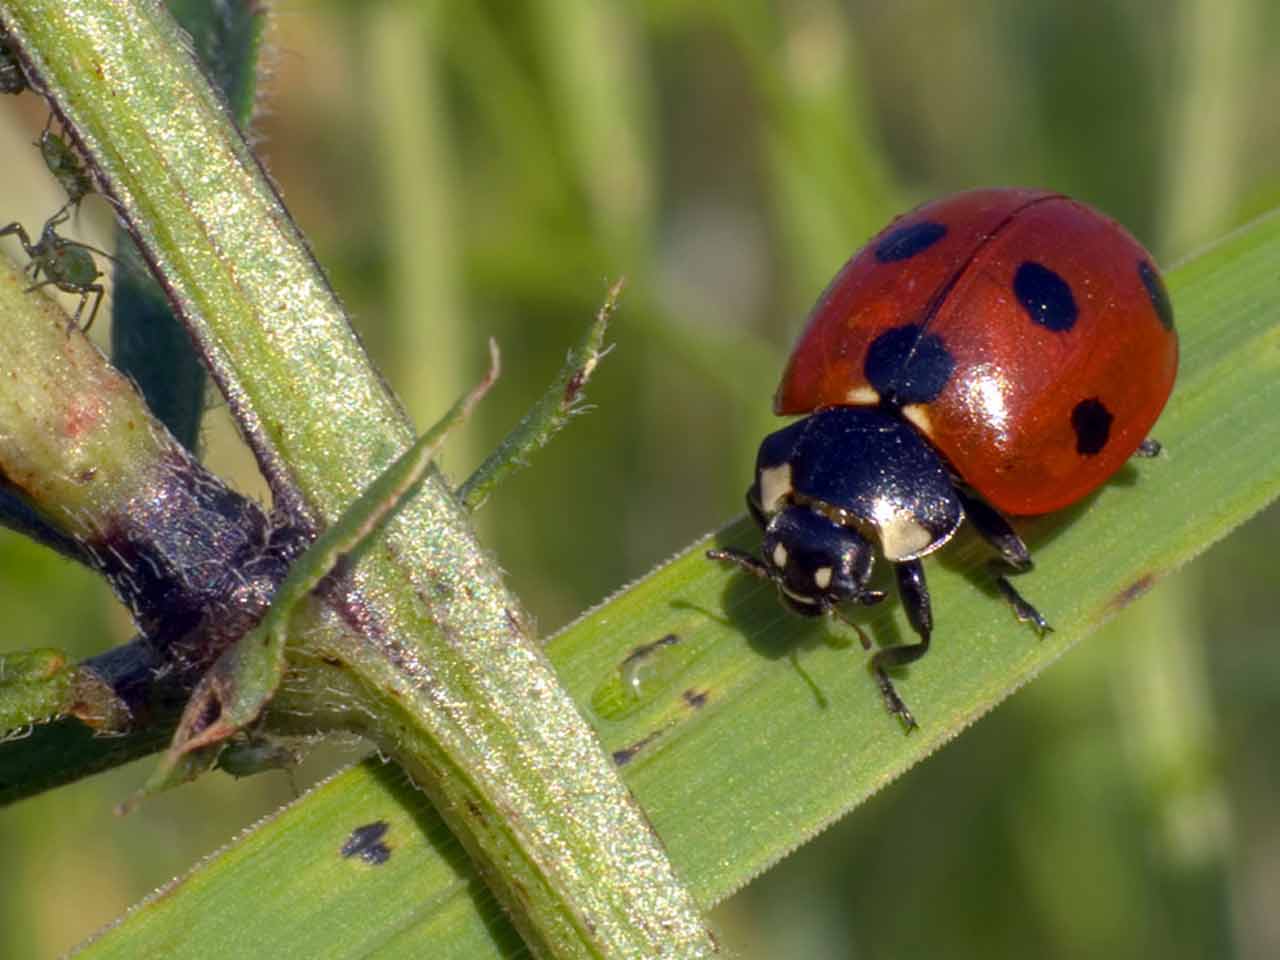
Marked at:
<point>738,753</point>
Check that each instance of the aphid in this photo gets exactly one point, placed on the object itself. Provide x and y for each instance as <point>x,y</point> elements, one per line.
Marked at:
<point>65,163</point>
<point>66,264</point>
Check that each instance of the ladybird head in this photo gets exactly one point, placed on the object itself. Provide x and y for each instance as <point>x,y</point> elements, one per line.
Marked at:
<point>817,563</point>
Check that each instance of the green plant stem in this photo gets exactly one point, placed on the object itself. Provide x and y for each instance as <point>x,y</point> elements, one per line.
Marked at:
<point>183,552</point>
<point>496,742</point>
<point>147,342</point>
<point>78,442</point>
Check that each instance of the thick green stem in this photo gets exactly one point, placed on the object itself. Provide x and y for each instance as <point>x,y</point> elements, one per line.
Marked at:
<point>494,738</point>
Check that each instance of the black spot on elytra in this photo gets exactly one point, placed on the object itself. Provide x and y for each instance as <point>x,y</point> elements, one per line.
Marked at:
<point>1158,294</point>
<point>906,365</point>
<point>1045,296</point>
<point>905,242</point>
<point>1091,421</point>
<point>366,843</point>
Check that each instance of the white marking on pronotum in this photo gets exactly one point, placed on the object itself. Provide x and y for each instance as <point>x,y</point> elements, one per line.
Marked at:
<point>775,486</point>
<point>822,577</point>
<point>779,556</point>
<point>901,535</point>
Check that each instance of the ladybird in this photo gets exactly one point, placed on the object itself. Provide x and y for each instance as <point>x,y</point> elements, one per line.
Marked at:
<point>993,354</point>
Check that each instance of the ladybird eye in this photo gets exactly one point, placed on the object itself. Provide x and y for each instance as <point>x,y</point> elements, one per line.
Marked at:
<point>779,556</point>
<point>822,577</point>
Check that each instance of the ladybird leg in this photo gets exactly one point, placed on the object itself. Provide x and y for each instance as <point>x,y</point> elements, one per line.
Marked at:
<point>1149,447</point>
<point>915,600</point>
<point>996,530</point>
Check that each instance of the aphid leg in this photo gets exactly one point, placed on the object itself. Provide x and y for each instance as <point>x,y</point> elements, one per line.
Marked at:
<point>1014,557</point>
<point>60,217</point>
<point>15,229</point>
<point>915,601</point>
<point>97,290</point>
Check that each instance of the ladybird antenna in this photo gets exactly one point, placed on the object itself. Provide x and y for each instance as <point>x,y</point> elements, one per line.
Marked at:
<point>746,561</point>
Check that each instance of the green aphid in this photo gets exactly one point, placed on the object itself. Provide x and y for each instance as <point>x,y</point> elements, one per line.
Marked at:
<point>66,264</point>
<point>65,163</point>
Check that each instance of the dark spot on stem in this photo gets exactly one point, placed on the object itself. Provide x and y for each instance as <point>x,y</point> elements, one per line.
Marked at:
<point>574,386</point>
<point>514,620</point>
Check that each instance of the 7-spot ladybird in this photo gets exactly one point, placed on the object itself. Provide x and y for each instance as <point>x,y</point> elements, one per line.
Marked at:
<point>995,353</point>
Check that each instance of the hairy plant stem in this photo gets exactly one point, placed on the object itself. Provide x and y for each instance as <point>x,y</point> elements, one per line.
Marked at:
<point>460,690</point>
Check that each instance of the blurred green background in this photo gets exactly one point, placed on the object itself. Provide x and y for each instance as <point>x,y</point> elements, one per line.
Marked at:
<point>485,168</point>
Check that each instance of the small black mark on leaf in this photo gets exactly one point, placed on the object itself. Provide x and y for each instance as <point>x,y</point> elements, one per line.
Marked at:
<point>1133,591</point>
<point>366,843</point>
<point>696,698</point>
<point>627,754</point>
<point>644,649</point>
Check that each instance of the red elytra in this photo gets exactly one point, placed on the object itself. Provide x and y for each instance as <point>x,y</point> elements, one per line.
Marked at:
<point>1054,321</point>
